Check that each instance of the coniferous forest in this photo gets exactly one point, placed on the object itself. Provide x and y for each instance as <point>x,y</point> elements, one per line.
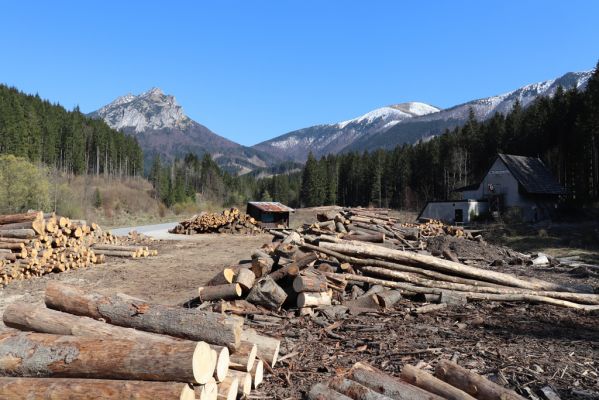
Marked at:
<point>66,140</point>
<point>562,130</point>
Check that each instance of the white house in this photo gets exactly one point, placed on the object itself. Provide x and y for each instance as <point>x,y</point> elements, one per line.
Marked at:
<point>519,184</point>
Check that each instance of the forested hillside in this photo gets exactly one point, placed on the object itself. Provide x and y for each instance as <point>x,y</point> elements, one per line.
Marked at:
<point>563,131</point>
<point>66,140</point>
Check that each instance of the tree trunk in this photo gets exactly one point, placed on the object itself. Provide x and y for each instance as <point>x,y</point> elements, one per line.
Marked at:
<point>472,383</point>
<point>43,355</point>
<point>374,237</point>
<point>243,358</point>
<point>179,322</point>
<point>313,299</point>
<point>229,291</point>
<point>261,263</point>
<point>361,249</point>
<point>321,391</point>
<point>387,385</point>
<point>310,281</point>
<point>245,278</point>
<point>15,218</point>
<point>428,382</point>
<point>388,298</point>
<point>268,347</point>
<point>92,389</point>
<point>355,390</point>
<point>38,225</point>
<point>267,293</point>
<point>18,233</point>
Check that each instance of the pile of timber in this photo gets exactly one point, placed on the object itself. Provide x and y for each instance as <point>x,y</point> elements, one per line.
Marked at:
<point>84,345</point>
<point>228,221</point>
<point>330,272</point>
<point>34,244</point>
<point>433,227</point>
<point>450,381</point>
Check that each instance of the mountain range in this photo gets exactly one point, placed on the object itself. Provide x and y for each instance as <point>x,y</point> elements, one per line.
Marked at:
<point>162,127</point>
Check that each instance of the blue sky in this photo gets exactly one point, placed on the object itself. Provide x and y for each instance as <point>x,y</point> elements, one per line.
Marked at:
<point>252,70</point>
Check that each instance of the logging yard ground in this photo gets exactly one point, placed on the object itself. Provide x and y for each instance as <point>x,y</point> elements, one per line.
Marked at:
<point>529,346</point>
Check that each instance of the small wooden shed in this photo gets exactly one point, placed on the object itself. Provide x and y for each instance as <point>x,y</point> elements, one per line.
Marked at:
<point>270,214</point>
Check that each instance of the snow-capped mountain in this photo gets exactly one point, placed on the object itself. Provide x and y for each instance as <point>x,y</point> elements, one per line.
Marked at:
<point>426,126</point>
<point>161,127</point>
<point>333,138</point>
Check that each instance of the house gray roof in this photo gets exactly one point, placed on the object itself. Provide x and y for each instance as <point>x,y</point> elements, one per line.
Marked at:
<point>532,174</point>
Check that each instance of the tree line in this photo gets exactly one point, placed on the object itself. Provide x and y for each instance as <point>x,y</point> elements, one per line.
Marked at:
<point>562,130</point>
<point>69,141</point>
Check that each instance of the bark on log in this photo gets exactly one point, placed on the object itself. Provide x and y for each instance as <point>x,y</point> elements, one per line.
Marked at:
<point>373,238</point>
<point>245,381</point>
<point>18,233</point>
<point>293,268</point>
<point>14,218</point>
<point>246,278</point>
<point>223,277</point>
<point>430,262</point>
<point>227,389</point>
<point>39,226</point>
<point>261,263</point>
<point>388,298</point>
<point>267,293</point>
<point>313,299</point>
<point>268,347</point>
<point>257,373</point>
<point>92,389</point>
<point>426,381</point>
<point>472,383</point>
<point>229,291</point>
<point>243,358</point>
<point>387,385</point>
<point>355,390</point>
<point>321,391</point>
<point>174,321</point>
<point>310,281</point>
<point>44,355</point>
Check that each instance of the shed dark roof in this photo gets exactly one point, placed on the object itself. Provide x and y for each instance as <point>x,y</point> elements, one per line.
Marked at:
<point>532,174</point>
<point>474,186</point>
<point>270,206</point>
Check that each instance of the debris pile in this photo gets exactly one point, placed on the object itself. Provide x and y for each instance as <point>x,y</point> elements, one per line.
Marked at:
<point>145,351</point>
<point>34,244</point>
<point>229,221</point>
<point>450,381</point>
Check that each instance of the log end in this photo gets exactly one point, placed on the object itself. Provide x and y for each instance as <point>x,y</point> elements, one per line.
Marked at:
<point>222,364</point>
<point>187,393</point>
<point>258,373</point>
<point>203,363</point>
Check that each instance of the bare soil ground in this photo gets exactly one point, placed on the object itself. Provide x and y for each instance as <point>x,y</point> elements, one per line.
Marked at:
<point>522,345</point>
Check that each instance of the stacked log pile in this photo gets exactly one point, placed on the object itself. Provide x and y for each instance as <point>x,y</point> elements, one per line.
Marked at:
<point>360,270</point>
<point>33,244</point>
<point>84,345</point>
<point>229,221</point>
<point>450,381</point>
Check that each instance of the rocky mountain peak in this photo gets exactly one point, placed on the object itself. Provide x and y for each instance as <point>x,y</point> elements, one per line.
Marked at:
<point>151,110</point>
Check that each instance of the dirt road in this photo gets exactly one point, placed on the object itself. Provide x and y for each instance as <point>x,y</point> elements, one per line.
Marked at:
<point>171,278</point>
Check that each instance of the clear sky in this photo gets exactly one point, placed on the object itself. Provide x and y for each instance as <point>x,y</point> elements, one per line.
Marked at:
<point>252,70</point>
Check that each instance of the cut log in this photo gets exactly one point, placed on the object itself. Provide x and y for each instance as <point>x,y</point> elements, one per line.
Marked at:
<point>229,291</point>
<point>362,249</point>
<point>430,308</point>
<point>257,373</point>
<point>92,389</point>
<point>174,321</point>
<point>294,267</point>
<point>38,225</point>
<point>321,391</point>
<point>43,355</point>
<point>313,299</point>
<point>262,263</point>
<point>15,218</point>
<point>387,385</point>
<point>472,383</point>
<point>116,253</point>
<point>225,276</point>
<point>355,390</point>
<point>362,237</point>
<point>426,381</point>
<point>267,293</point>
<point>207,391</point>
<point>245,381</point>
<point>243,358</point>
<point>310,281</point>
<point>245,277</point>
<point>268,347</point>
<point>227,389</point>
<point>239,307</point>
<point>222,362</point>
<point>388,298</point>
<point>18,233</point>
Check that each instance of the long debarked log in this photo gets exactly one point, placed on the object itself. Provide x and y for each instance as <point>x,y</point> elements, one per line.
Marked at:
<point>15,218</point>
<point>470,295</point>
<point>44,355</point>
<point>430,262</point>
<point>429,383</point>
<point>391,387</point>
<point>321,391</point>
<point>587,298</point>
<point>120,310</point>
<point>474,384</point>
<point>92,389</point>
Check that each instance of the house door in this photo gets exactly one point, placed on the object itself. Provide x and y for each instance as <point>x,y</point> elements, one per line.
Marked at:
<point>459,216</point>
